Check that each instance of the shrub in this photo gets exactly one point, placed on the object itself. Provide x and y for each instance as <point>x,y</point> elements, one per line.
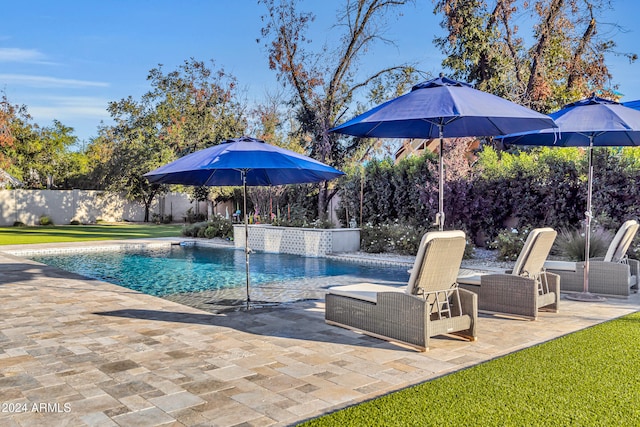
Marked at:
<point>217,227</point>
<point>193,218</point>
<point>403,239</point>
<point>191,230</point>
<point>570,243</point>
<point>509,243</point>
<point>372,239</point>
<point>74,222</point>
<point>162,219</point>
<point>634,249</point>
<point>394,237</point>
<point>45,220</point>
<point>19,224</point>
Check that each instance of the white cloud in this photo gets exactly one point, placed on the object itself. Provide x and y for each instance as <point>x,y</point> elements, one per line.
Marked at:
<point>14,54</point>
<point>69,107</point>
<point>47,82</point>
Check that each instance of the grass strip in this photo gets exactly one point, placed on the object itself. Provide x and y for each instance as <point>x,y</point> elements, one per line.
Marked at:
<point>588,378</point>
<point>79,233</point>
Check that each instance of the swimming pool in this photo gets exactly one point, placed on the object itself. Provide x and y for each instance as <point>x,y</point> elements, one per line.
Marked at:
<point>176,269</point>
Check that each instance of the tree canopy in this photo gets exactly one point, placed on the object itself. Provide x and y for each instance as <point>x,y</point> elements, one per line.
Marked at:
<point>562,58</point>
<point>37,156</point>
<point>186,110</point>
<point>323,80</point>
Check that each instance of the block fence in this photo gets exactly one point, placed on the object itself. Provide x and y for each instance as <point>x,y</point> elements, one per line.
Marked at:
<point>86,206</point>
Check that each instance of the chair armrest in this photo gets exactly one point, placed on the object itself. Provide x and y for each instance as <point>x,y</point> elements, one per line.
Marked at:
<point>552,280</point>
<point>468,302</point>
<point>634,266</point>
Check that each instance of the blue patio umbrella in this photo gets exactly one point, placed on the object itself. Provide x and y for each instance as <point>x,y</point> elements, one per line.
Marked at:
<point>590,122</point>
<point>243,161</point>
<point>632,104</point>
<point>444,108</point>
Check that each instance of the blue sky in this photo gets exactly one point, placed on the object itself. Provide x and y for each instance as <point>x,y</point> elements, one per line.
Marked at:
<point>67,60</point>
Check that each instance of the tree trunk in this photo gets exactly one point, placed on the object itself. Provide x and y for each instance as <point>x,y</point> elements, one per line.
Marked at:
<point>322,201</point>
<point>147,205</point>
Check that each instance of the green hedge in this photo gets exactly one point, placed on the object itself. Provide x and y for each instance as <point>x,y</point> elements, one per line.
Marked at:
<point>497,190</point>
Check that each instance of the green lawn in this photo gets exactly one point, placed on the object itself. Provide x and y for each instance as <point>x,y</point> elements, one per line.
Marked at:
<point>78,233</point>
<point>588,378</point>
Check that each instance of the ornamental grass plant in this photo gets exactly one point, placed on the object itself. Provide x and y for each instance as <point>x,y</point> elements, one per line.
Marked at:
<point>570,244</point>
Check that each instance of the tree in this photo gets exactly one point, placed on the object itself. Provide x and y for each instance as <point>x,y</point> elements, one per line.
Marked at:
<point>323,83</point>
<point>10,116</point>
<point>37,156</point>
<point>186,110</point>
<point>565,61</point>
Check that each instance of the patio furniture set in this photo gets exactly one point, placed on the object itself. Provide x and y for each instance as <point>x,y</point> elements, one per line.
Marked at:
<point>441,298</point>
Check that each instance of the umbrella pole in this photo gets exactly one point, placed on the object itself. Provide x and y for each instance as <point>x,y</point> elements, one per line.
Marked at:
<point>585,295</point>
<point>246,234</point>
<point>440,215</point>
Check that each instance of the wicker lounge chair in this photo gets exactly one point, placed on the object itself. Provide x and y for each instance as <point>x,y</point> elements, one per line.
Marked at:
<point>431,303</point>
<point>525,289</point>
<point>614,275</point>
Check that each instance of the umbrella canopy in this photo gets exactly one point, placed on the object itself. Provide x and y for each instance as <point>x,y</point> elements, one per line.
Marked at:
<point>226,164</point>
<point>444,108</point>
<point>632,104</point>
<point>243,162</point>
<point>590,122</point>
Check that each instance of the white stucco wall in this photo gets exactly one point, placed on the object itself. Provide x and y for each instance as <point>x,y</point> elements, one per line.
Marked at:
<point>86,206</point>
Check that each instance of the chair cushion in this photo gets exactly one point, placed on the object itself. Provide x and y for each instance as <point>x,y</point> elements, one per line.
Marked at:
<point>560,265</point>
<point>621,241</point>
<point>474,279</point>
<point>534,252</point>
<point>446,250</point>
<point>364,291</point>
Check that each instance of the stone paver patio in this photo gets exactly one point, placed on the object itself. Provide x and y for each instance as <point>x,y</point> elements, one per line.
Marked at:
<point>75,351</point>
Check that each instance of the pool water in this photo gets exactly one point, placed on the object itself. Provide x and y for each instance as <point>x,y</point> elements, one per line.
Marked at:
<point>185,269</point>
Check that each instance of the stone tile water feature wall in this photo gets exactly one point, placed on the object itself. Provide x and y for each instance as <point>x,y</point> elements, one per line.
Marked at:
<point>298,241</point>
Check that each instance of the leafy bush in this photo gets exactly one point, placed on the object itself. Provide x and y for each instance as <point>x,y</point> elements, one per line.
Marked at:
<point>509,243</point>
<point>634,249</point>
<point>19,224</point>
<point>74,222</point>
<point>191,230</point>
<point>45,220</point>
<point>162,219</point>
<point>217,227</point>
<point>192,217</point>
<point>571,243</point>
<point>400,238</point>
<point>391,237</point>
